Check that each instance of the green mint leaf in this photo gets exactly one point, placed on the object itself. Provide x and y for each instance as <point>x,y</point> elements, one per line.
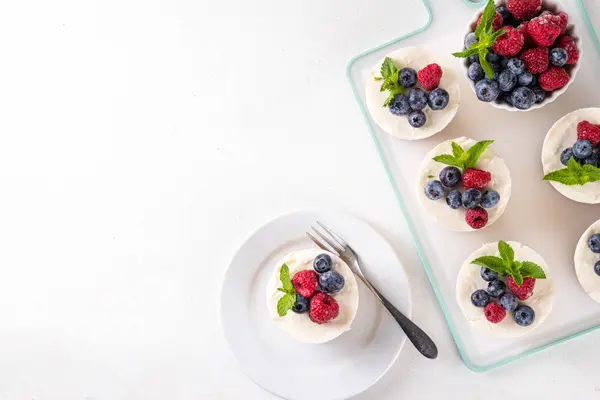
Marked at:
<point>448,160</point>
<point>457,151</point>
<point>532,270</point>
<point>387,68</point>
<point>573,165</point>
<point>284,277</point>
<point>285,304</point>
<point>430,176</point>
<point>487,68</point>
<point>496,35</point>
<point>487,19</point>
<point>518,278</point>
<point>590,174</point>
<point>492,262</point>
<point>506,252</point>
<point>564,176</point>
<point>281,290</point>
<point>378,78</point>
<point>473,49</point>
<point>574,174</point>
<point>471,156</point>
<point>389,100</point>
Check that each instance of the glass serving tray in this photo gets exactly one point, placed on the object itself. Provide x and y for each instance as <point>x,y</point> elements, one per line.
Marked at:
<point>537,215</point>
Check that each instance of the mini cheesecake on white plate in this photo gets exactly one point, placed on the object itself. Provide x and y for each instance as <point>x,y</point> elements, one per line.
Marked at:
<point>587,261</point>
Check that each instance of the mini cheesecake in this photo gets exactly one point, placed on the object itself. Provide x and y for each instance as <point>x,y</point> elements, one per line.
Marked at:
<point>585,260</point>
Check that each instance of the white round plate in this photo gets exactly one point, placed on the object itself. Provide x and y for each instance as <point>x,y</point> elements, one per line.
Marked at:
<point>285,367</point>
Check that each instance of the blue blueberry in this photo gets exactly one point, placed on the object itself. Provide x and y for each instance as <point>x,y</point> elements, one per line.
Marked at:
<point>540,94</point>
<point>525,79</point>
<point>582,149</point>
<point>507,80</point>
<point>473,58</point>
<point>434,190</point>
<point>301,305</point>
<point>417,119</point>
<point>417,98</point>
<point>488,275</point>
<point>594,243</point>
<point>407,77</point>
<point>471,198</point>
<point>400,105</point>
<point>454,199</point>
<point>331,282</point>
<point>503,11</point>
<point>470,39</point>
<point>516,66</point>
<point>523,98</point>
<point>475,72</point>
<point>487,90</point>
<point>480,298</point>
<point>558,56</point>
<point>507,97</point>
<point>450,176</point>
<point>597,268</point>
<point>524,315</point>
<point>438,99</point>
<point>593,159</point>
<point>509,301</point>
<point>489,199</point>
<point>496,288</point>
<point>322,263</point>
<point>497,68</point>
<point>566,155</point>
<point>504,62</point>
<point>492,57</point>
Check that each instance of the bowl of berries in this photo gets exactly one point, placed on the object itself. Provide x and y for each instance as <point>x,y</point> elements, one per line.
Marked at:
<point>520,55</point>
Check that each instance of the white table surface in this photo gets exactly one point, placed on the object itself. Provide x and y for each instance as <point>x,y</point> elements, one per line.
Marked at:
<point>142,141</point>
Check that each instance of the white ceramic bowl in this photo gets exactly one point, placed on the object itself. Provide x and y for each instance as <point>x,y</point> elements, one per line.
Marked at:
<point>571,69</point>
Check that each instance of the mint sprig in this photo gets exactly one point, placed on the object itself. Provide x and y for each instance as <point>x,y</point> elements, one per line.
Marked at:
<point>287,301</point>
<point>389,76</point>
<point>574,174</point>
<point>461,158</point>
<point>506,265</point>
<point>486,38</point>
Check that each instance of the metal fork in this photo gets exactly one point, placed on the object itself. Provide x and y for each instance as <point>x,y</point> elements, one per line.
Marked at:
<point>339,247</point>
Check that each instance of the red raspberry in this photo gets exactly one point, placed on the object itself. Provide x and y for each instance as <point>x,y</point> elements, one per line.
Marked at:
<point>523,9</point>
<point>494,312</point>
<point>554,78</point>
<point>524,291</point>
<point>323,308</point>
<point>536,60</point>
<point>476,178</point>
<point>543,31</point>
<point>523,29</point>
<point>476,217</point>
<point>429,76</point>
<point>567,43</point>
<point>561,19</point>
<point>305,282</point>
<point>588,131</point>
<point>509,44</point>
<point>498,21</point>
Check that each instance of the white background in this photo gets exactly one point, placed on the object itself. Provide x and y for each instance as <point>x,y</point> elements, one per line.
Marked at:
<point>141,142</point>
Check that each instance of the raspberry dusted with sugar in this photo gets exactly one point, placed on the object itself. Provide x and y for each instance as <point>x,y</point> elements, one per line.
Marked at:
<point>567,43</point>
<point>588,131</point>
<point>524,291</point>
<point>476,178</point>
<point>323,308</point>
<point>536,60</point>
<point>429,77</point>
<point>523,9</point>
<point>494,312</point>
<point>509,44</point>
<point>544,31</point>
<point>554,78</point>
<point>476,218</point>
<point>561,19</point>
<point>305,282</point>
<point>498,21</point>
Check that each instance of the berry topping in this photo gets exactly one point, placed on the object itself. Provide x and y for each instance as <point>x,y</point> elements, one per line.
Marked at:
<point>471,198</point>
<point>305,282</point>
<point>331,282</point>
<point>496,288</point>
<point>450,176</point>
<point>494,312</point>
<point>543,31</point>
<point>597,268</point>
<point>301,305</point>
<point>566,155</point>
<point>417,98</point>
<point>554,78</point>
<point>523,98</point>
<point>524,291</point>
<point>417,119</point>
<point>470,39</point>
<point>407,77</point>
<point>498,21</point>
<point>558,56</point>
<point>489,199</point>
<point>561,19</point>
<point>487,90</point>
<point>323,308</point>
<point>503,11</point>
<point>525,79</point>
<point>508,301</point>
<point>429,77</point>
<point>480,298</point>
<point>475,72</point>
<point>322,263</point>
<point>567,43</point>
<point>540,94</point>
<point>507,80</point>
<point>476,217</point>
<point>524,315</point>
<point>488,275</point>
<point>536,59</point>
<point>454,199</point>
<point>594,243</point>
<point>593,159</point>
<point>438,99</point>
<point>434,190</point>
<point>399,105</point>
<point>515,65</point>
<point>582,149</point>
<point>523,9</point>
<point>476,178</point>
<point>509,44</point>
<point>588,131</point>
